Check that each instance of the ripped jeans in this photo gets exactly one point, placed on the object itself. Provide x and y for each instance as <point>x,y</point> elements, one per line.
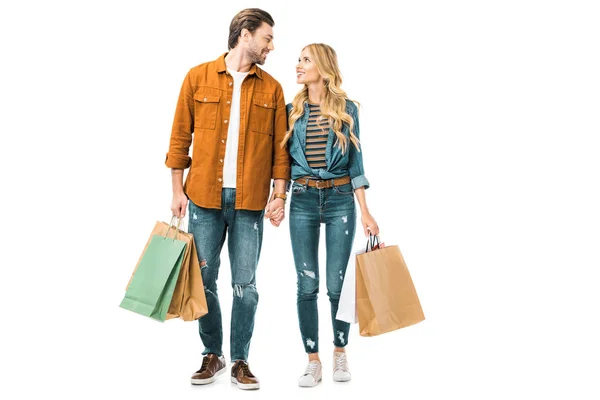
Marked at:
<point>309,208</point>
<point>244,229</point>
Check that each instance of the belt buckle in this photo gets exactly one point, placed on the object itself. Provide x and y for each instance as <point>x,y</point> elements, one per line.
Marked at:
<point>318,184</point>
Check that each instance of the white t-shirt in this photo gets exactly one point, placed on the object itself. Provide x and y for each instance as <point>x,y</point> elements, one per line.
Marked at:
<point>233,133</point>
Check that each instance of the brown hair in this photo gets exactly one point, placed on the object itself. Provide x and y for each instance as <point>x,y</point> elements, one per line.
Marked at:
<point>249,18</point>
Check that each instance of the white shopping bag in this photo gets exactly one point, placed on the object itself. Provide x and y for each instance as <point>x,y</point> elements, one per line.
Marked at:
<point>347,306</point>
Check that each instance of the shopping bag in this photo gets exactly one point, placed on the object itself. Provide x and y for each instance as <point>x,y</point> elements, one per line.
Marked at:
<point>189,300</point>
<point>151,286</point>
<point>386,297</point>
<point>347,310</point>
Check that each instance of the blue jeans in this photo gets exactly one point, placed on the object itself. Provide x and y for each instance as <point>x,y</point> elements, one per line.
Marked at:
<point>245,231</point>
<point>309,208</point>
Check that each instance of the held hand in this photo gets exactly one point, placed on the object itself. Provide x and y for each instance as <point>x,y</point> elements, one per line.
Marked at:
<point>369,224</point>
<point>179,205</point>
<point>275,211</point>
<point>277,222</point>
<point>277,217</point>
<point>268,207</point>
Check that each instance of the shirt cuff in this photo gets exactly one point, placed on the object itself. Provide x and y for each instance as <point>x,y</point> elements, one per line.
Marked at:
<point>177,161</point>
<point>281,173</point>
<point>359,182</point>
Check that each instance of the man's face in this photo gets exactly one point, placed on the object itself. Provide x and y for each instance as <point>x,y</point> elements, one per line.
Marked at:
<point>260,44</point>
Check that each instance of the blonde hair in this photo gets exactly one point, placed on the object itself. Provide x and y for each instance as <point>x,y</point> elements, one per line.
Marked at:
<point>333,107</point>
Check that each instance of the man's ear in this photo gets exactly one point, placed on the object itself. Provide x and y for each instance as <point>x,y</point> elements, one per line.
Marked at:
<point>245,35</point>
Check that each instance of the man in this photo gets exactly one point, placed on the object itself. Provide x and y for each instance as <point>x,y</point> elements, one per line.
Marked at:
<point>236,113</point>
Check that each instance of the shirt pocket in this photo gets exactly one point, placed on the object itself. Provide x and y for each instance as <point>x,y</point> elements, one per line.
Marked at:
<point>262,115</point>
<point>205,110</point>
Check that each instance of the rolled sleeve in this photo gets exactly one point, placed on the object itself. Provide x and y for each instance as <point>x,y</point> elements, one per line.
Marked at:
<point>281,157</point>
<point>177,161</point>
<point>355,167</point>
<point>183,127</point>
<point>281,173</point>
<point>360,181</point>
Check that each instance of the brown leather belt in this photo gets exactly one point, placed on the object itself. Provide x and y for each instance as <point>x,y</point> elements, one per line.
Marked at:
<point>323,183</point>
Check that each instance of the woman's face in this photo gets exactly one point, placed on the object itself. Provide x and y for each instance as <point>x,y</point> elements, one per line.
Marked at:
<point>306,69</point>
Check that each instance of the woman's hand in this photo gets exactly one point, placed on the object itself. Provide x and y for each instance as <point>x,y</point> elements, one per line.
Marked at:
<point>369,224</point>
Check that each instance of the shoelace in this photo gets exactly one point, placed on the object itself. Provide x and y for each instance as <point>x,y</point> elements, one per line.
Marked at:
<point>204,364</point>
<point>311,369</point>
<point>247,370</point>
<point>340,362</point>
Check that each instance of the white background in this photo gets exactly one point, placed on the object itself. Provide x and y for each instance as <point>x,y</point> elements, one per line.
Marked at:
<point>478,127</point>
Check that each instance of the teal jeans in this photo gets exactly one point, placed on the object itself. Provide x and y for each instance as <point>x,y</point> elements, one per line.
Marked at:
<point>309,208</point>
<point>244,232</point>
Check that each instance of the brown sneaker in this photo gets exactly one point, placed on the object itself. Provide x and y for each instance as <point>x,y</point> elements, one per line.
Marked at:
<point>212,367</point>
<point>241,375</point>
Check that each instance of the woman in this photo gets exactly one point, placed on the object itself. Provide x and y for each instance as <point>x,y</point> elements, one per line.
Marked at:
<point>327,170</point>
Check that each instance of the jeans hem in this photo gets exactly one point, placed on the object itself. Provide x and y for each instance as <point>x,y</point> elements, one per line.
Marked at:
<point>210,351</point>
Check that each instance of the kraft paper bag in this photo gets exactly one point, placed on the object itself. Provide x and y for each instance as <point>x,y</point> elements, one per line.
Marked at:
<point>386,297</point>
<point>188,301</point>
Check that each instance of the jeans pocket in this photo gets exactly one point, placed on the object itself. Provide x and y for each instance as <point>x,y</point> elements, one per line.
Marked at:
<point>298,189</point>
<point>345,190</point>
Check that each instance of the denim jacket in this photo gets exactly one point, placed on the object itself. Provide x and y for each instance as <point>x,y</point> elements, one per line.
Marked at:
<point>338,164</point>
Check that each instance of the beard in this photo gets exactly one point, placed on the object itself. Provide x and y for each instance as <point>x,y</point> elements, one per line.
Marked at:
<point>256,55</point>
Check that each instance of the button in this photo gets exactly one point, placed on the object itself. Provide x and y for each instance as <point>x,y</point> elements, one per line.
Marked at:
<point>228,102</point>
<point>265,104</point>
<point>222,140</point>
<point>225,121</point>
<point>221,160</point>
<point>230,83</point>
<point>205,99</point>
<point>220,180</point>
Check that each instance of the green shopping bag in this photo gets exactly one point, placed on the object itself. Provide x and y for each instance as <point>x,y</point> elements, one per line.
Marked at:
<point>152,285</point>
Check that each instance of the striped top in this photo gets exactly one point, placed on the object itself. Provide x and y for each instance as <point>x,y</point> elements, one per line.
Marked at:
<point>317,132</point>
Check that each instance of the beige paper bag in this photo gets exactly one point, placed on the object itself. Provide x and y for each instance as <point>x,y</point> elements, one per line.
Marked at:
<point>385,294</point>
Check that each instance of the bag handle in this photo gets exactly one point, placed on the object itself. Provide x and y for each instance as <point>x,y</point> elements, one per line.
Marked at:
<point>372,241</point>
<point>179,220</point>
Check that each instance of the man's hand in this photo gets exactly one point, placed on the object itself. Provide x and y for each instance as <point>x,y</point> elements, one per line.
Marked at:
<point>275,211</point>
<point>179,204</point>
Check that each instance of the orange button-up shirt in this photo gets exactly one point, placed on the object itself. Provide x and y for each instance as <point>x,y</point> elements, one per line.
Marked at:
<point>203,111</point>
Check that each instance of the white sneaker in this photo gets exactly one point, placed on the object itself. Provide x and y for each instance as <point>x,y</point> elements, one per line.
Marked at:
<point>312,375</point>
<point>341,372</point>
